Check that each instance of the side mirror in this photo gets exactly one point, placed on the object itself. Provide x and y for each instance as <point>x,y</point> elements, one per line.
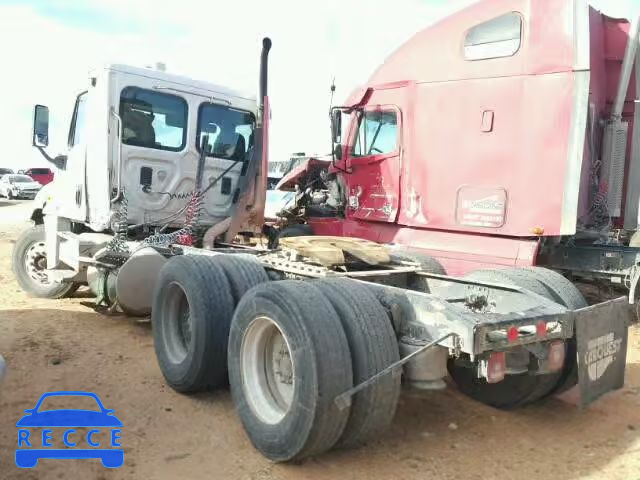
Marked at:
<point>40,126</point>
<point>337,152</point>
<point>336,125</point>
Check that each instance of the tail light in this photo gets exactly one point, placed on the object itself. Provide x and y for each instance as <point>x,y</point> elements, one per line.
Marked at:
<point>496,367</point>
<point>513,334</point>
<point>555,359</point>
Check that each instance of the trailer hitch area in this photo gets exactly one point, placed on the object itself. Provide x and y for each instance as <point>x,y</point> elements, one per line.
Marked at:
<point>344,399</point>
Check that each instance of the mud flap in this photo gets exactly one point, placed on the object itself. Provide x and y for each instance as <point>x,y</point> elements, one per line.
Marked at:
<point>601,333</point>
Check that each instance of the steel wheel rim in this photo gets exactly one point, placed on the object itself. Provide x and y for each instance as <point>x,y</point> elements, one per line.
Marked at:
<point>179,329</point>
<point>35,263</point>
<point>268,371</point>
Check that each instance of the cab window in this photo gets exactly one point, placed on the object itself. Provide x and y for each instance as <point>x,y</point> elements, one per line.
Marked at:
<point>153,119</point>
<point>229,131</point>
<point>377,133</point>
<point>78,121</point>
<point>499,37</point>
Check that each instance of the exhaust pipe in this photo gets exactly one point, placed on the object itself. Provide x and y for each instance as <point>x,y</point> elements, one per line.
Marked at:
<point>627,68</point>
<point>245,210</point>
<point>264,75</point>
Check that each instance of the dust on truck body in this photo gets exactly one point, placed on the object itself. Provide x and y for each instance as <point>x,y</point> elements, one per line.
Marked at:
<point>314,336</point>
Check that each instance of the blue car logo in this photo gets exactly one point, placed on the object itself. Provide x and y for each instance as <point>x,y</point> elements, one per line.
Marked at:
<point>100,420</point>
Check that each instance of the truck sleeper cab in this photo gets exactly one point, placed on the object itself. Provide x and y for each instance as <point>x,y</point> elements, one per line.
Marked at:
<point>501,136</point>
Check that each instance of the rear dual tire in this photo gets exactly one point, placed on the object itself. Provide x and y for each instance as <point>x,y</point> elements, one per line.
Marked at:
<point>291,348</point>
<point>336,335</point>
<point>522,389</point>
<point>373,346</point>
<point>564,292</point>
<point>193,305</point>
<point>285,399</point>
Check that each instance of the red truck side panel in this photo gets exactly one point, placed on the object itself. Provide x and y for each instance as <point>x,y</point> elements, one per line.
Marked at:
<point>491,151</point>
<point>485,141</point>
<point>459,253</point>
<point>510,179</point>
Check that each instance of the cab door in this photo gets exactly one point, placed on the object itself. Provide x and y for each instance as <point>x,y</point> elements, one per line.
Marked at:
<point>374,159</point>
<point>72,190</point>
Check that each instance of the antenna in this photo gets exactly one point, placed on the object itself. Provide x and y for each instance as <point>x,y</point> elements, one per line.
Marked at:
<point>333,90</point>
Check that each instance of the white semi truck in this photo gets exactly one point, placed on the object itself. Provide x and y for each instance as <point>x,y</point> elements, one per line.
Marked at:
<point>131,173</point>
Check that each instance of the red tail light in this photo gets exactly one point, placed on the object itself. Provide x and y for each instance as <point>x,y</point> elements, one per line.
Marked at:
<point>555,360</point>
<point>496,367</point>
<point>541,329</point>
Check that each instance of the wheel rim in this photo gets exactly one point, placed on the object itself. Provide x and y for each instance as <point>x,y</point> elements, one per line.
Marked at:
<point>35,263</point>
<point>268,371</point>
<point>179,328</point>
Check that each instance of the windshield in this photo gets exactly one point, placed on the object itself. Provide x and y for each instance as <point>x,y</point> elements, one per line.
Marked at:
<point>230,131</point>
<point>20,179</point>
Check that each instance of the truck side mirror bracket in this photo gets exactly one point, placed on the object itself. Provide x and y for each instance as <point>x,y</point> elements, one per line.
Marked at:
<point>336,125</point>
<point>336,137</point>
<point>40,137</point>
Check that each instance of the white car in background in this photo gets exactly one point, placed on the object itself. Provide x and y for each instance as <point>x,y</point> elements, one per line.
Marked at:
<point>19,186</point>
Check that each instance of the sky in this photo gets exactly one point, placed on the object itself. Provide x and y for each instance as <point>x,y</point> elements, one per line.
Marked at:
<point>48,46</point>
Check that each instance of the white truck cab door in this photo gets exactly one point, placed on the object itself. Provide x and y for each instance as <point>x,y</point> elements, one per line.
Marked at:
<point>71,194</point>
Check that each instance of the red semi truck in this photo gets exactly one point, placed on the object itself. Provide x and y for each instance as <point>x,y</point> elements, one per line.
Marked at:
<point>503,136</point>
<point>497,146</point>
<point>486,139</point>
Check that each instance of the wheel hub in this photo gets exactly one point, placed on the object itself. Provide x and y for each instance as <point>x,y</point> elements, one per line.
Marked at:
<point>178,340</point>
<point>35,260</point>
<point>185,326</point>
<point>282,365</point>
<point>268,370</point>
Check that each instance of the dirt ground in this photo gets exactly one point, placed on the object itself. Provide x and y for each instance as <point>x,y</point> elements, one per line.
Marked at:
<point>66,345</point>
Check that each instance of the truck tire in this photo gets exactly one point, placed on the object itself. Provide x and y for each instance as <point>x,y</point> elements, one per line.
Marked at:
<point>292,231</point>
<point>190,319</point>
<point>567,294</point>
<point>288,360</point>
<point>426,262</point>
<point>562,290</point>
<point>373,346</point>
<point>243,273</point>
<point>515,390</point>
<point>28,262</point>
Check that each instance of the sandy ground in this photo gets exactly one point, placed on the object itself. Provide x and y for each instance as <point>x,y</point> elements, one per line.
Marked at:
<point>66,345</point>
